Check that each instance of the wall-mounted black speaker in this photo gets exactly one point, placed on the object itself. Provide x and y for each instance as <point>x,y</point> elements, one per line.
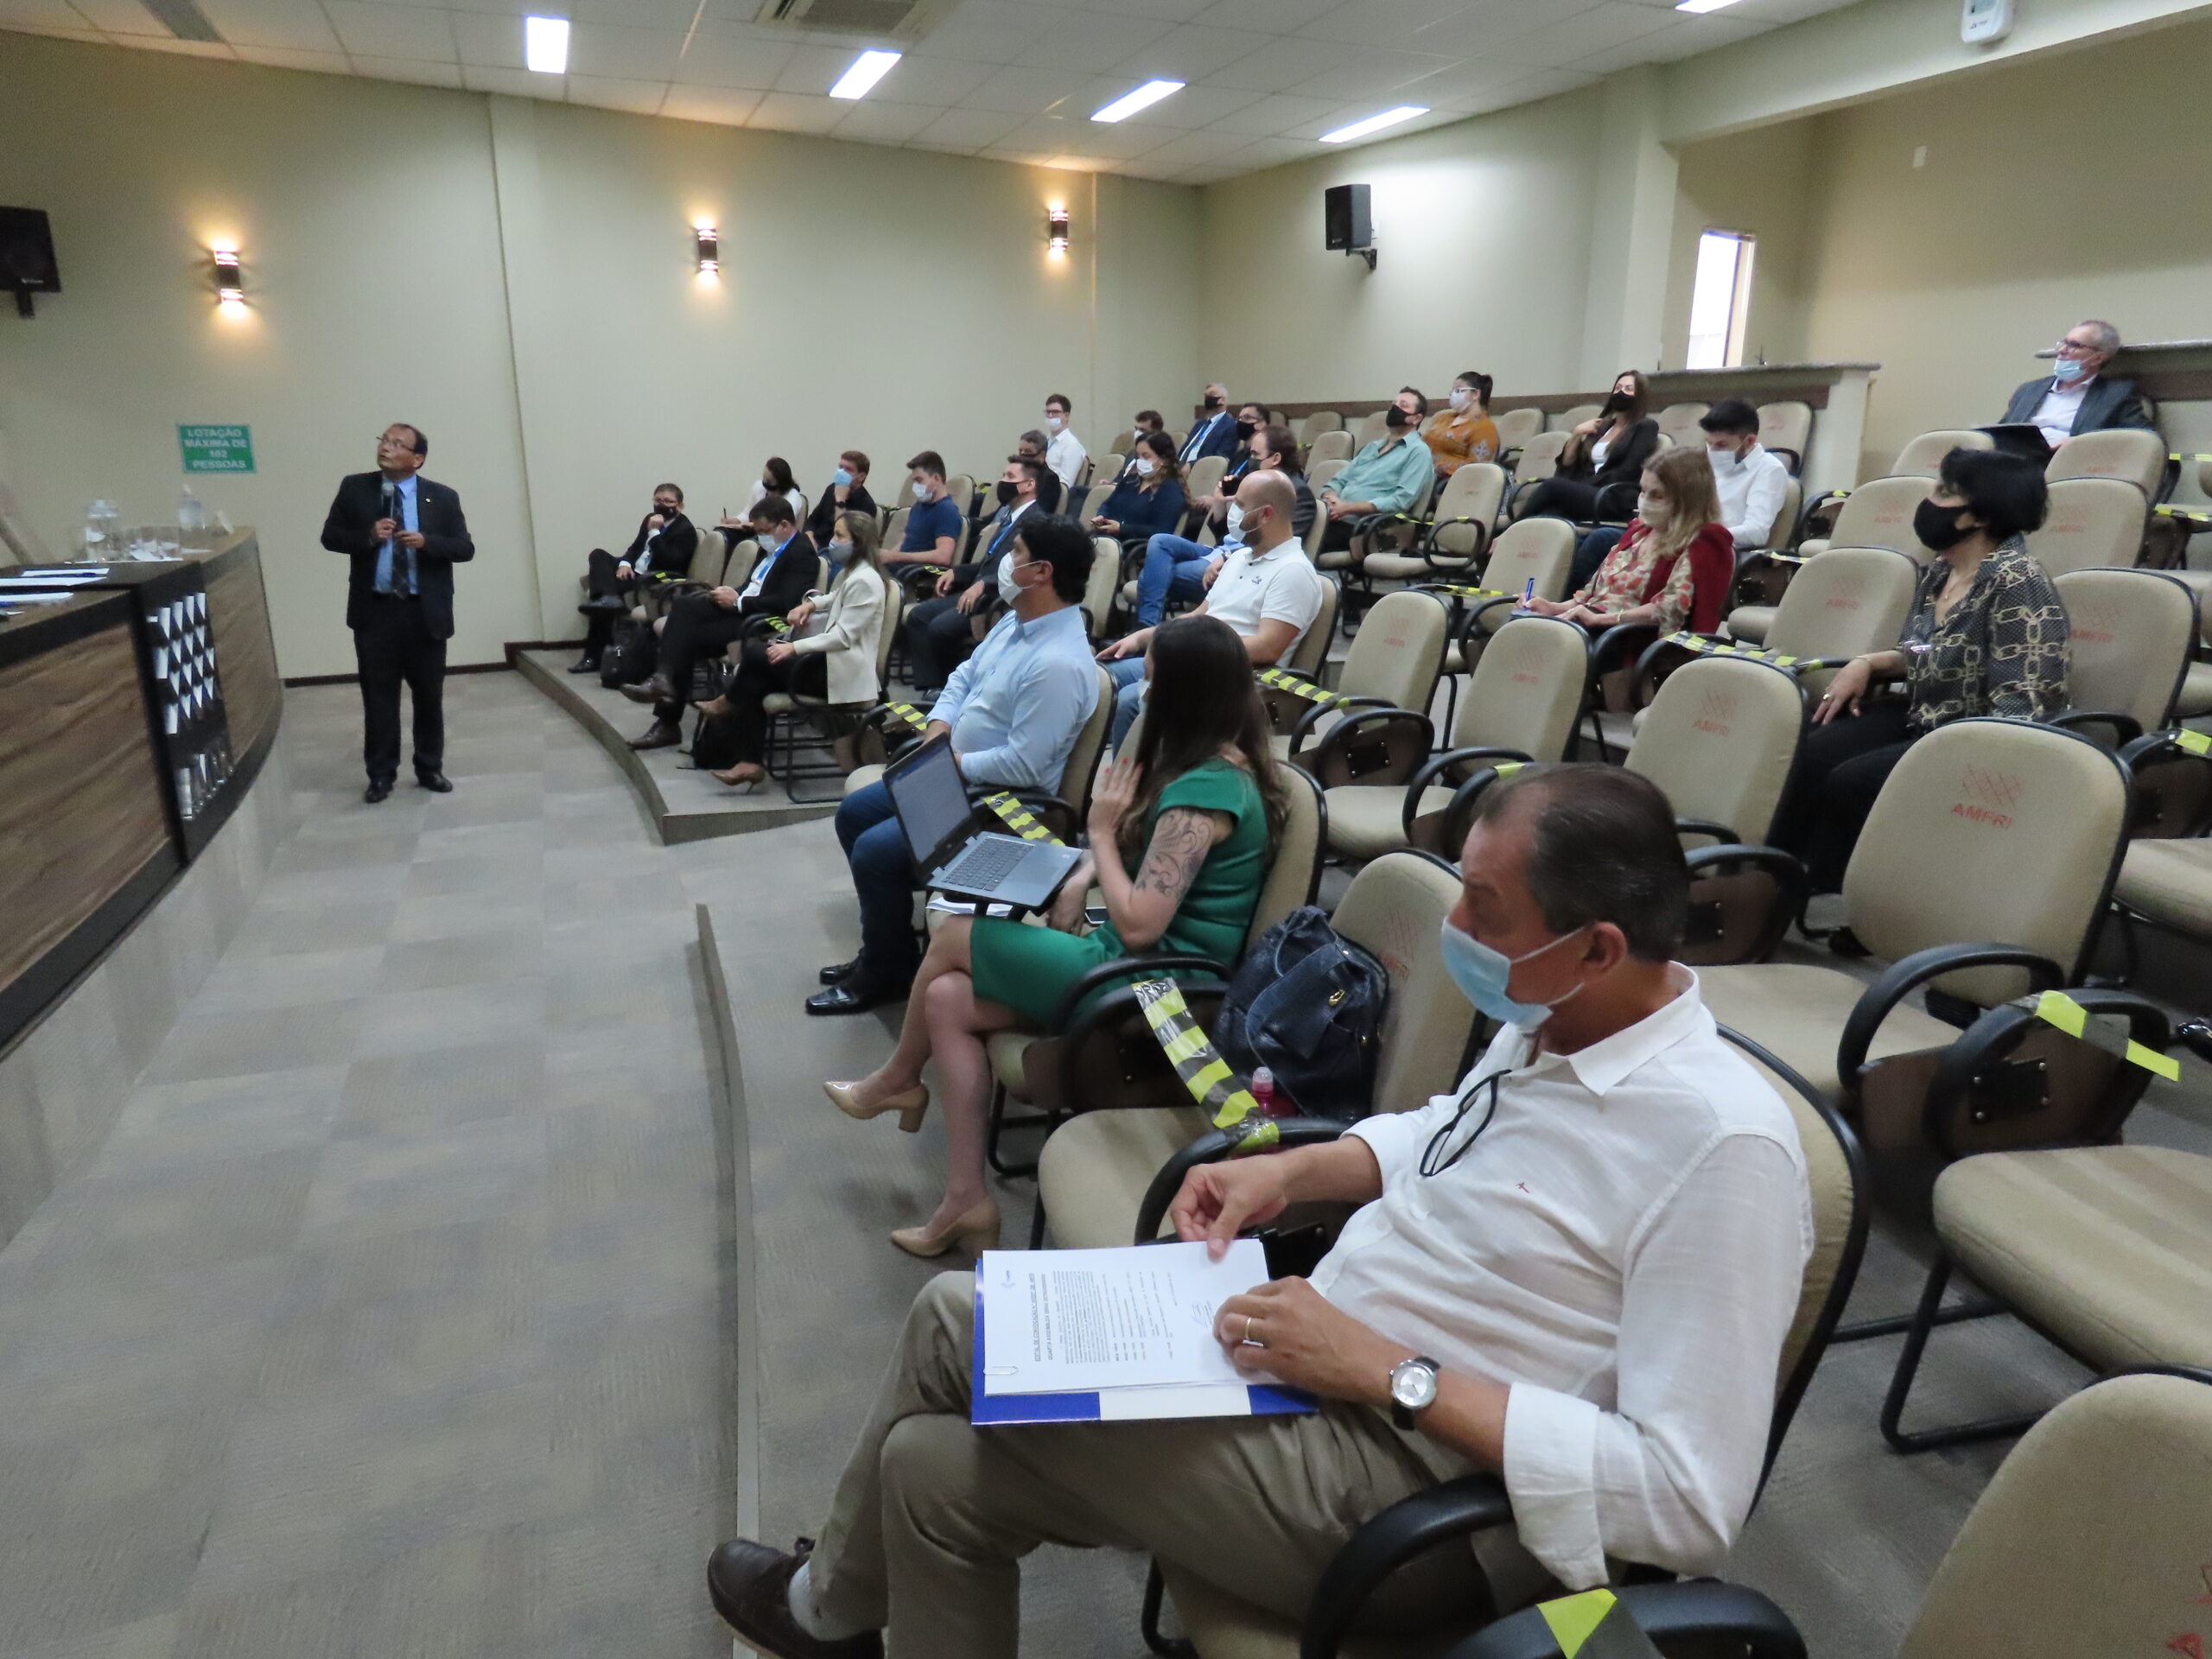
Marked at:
<point>1344,214</point>
<point>26,262</point>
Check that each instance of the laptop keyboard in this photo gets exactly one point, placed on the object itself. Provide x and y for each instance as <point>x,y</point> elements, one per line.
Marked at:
<point>986,863</point>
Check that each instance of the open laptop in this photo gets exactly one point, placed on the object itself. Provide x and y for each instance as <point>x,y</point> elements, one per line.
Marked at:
<point>931,803</point>
<point>2021,438</point>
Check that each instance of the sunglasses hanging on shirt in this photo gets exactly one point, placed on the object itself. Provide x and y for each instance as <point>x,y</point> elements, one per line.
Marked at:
<point>1433,1160</point>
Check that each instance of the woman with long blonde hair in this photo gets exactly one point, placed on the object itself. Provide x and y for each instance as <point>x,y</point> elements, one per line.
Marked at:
<point>1674,564</point>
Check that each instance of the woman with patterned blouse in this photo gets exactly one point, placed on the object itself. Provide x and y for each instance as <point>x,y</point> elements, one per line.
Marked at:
<point>1674,564</point>
<point>1987,636</point>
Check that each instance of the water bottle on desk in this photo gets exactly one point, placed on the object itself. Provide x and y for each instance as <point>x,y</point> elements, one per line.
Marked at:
<point>103,530</point>
<point>191,515</point>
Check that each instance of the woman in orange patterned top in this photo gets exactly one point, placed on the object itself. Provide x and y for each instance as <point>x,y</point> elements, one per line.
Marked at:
<point>1464,431</point>
<point>1674,563</point>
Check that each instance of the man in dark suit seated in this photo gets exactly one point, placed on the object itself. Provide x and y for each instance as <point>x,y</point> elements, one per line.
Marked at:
<point>404,535</point>
<point>1216,432</point>
<point>700,625</point>
<point>941,632</point>
<point>663,547</point>
<point>2076,398</point>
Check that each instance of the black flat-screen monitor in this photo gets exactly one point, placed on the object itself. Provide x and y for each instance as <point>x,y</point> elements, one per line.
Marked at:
<point>27,262</point>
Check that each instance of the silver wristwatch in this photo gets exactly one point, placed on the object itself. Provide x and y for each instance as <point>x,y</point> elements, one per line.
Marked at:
<point>1413,1386</point>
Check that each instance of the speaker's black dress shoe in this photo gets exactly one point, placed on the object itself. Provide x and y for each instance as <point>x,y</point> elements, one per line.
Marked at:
<point>856,996</point>
<point>661,735</point>
<point>838,972</point>
<point>436,782</point>
<point>750,1585</point>
<point>584,665</point>
<point>379,789</point>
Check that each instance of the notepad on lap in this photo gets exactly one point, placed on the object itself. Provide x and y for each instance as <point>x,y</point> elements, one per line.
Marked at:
<point>1071,1336</point>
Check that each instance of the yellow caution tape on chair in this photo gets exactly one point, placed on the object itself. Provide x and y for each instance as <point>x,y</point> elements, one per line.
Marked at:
<point>1204,1073</point>
<point>1459,591</point>
<point>2194,742</point>
<point>2106,1032</point>
<point>1018,818</point>
<point>1702,646</point>
<point>1283,680</point>
<point>906,712</point>
<point>2187,515</point>
<point>1594,1625</point>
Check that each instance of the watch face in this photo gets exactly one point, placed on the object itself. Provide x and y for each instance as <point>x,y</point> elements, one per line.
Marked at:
<point>1412,1385</point>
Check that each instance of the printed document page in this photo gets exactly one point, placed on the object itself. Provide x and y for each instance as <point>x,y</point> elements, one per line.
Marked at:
<point>1141,1316</point>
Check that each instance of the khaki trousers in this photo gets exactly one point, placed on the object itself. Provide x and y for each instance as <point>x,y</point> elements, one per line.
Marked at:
<point>933,1515</point>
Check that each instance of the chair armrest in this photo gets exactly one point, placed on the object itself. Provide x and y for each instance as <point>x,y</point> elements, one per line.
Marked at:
<point>1482,528</point>
<point>1212,1147</point>
<point>2166,778</point>
<point>1732,856</point>
<point>1617,644</point>
<point>1410,1528</point>
<point>1107,973</point>
<point>1342,735</point>
<point>2195,1036</point>
<point>1905,976</point>
<point>1314,712</point>
<point>1473,621</point>
<point>1436,766</point>
<point>2125,728</point>
<point>1721,832</point>
<point>1696,1610</point>
<point>1994,1035</point>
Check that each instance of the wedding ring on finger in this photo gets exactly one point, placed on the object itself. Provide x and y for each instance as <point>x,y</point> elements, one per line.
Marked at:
<point>1248,1339</point>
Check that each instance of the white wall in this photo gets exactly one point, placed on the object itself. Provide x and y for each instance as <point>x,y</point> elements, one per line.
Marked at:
<point>516,277</point>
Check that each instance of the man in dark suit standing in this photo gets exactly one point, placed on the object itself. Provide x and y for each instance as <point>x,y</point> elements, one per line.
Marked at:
<point>2077,397</point>
<point>404,535</point>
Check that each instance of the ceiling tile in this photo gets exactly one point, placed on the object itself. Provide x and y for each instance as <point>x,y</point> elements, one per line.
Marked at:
<point>285,57</point>
<point>1211,145</point>
<point>796,112</point>
<point>516,83</point>
<point>929,80</point>
<point>1278,112</point>
<point>814,69</point>
<point>1274,152</point>
<point>271,23</point>
<point>608,49</point>
<point>968,129</point>
<point>1481,27</point>
<point>41,15</point>
<point>1682,38</point>
<point>725,106</point>
<point>990,31</point>
<point>1370,73</point>
<point>1371,23</point>
<point>1094,42</point>
<point>872,121</point>
<point>1190,54</point>
<point>1027,91</point>
<point>1280,65</point>
<point>119,16</point>
<point>414,70</point>
<point>617,92</point>
<point>1172,11</point>
<point>493,42</point>
<point>417,32</point>
<point>723,57</point>
<point>1601,28</point>
<point>1270,15</point>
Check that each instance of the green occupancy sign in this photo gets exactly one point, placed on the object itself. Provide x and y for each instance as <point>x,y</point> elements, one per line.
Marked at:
<point>216,449</point>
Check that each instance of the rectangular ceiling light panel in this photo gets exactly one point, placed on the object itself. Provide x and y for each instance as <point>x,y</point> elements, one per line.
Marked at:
<point>868,68</point>
<point>545,44</point>
<point>1374,124</point>
<point>1143,98</point>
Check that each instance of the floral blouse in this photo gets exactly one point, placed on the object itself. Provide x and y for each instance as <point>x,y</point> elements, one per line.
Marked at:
<point>2001,651</point>
<point>1456,438</point>
<point>1689,588</point>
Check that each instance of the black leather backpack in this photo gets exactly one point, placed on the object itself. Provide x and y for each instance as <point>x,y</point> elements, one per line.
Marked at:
<point>1308,1005</point>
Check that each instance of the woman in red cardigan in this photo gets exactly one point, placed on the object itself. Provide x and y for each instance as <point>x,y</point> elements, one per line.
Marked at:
<point>1674,564</point>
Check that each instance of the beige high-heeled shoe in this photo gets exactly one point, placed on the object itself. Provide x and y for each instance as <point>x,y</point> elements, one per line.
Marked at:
<point>745,775</point>
<point>973,1229</point>
<point>910,1104</point>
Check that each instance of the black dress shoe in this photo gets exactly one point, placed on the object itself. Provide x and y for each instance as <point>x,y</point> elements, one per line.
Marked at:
<point>750,1586</point>
<point>604,603</point>
<point>661,735</point>
<point>655,689</point>
<point>851,997</point>
<point>584,665</point>
<point>838,972</point>
<point>436,782</point>
<point>379,789</point>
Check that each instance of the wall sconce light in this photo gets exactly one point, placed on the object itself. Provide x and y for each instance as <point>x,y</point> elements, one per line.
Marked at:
<point>709,243</point>
<point>230,288</point>
<point>1056,229</point>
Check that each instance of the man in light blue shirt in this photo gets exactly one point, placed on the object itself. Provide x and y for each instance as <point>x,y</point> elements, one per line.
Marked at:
<point>1394,473</point>
<point>1013,710</point>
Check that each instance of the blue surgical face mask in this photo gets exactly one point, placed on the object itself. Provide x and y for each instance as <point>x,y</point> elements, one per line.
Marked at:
<point>1483,973</point>
<point>840,551</point>
<point>841,479</point>
<point>2067,370</point>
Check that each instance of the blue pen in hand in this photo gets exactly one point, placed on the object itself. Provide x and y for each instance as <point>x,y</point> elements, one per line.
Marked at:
<point>1528,593</point>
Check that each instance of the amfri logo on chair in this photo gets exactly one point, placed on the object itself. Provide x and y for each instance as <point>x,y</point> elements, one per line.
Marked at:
<point>1996,791</point>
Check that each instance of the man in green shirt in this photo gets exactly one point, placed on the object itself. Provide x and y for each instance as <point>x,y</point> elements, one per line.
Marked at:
<point>1393,474</point>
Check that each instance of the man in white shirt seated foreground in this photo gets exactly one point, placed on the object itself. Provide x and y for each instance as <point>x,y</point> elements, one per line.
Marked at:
<point>1576,1272</point>
<point>1265,588</point>
<point>1749,478</point>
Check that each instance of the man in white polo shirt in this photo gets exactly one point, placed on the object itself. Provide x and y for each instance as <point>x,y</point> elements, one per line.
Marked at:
<point>1267,589</point>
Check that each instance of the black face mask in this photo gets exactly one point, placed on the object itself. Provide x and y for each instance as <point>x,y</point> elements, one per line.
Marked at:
<point>1244,430</point>
<point>1619,402</point>
<point>1397,420</point>
<point>1212,401</point>
<point>1007,494</point>
<point>1938,527</point>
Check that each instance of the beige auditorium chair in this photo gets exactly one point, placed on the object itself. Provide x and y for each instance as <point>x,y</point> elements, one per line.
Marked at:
<point>1310,655</point>
<point>1516,428</point>
<point>1538,461</point>
<point>2139,457</point>
<point>2130,635</point>
<point>1321,421</point>
<point>1096,1168</point>
<point>1922,457</point>
<point>2086,1542</point>
<point>1566,419</point>
<point>1373,429</point>
<point>1848,602</point>
<point>2092,522</point>
<point>894,527</point>
<point>1538,550</point>
<point>1392,670</point>
<point>1110,468</point>
<point>1879,513</point>
<point>1105,1054</point>
<point>1222,1626</point>
<point>1333,445</point>
<point>1520,706</point>
<point>1317,479</point>
<point>1098,592</point>
<point>960,490</point>
<point>1787,428</point>
<point>787,710</point>
<point>1981,874</point>
<point>2165,880</point>
<point>1679,422</point>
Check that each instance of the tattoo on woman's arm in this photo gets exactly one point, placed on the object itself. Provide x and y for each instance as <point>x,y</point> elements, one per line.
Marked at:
<point>1180,841</point>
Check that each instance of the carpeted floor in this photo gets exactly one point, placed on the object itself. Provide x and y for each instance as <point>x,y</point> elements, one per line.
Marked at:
<point>396,1317</point>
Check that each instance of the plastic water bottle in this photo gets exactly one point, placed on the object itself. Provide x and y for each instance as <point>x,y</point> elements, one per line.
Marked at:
<point>190,514</point>
<point>104,529</point>
<point>1263,1094</point>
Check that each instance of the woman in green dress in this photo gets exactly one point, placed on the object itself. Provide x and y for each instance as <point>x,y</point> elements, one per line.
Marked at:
<point>1181,837</point>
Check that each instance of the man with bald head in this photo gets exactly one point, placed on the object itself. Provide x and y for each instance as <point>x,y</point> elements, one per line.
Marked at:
<point>1265,588</point>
